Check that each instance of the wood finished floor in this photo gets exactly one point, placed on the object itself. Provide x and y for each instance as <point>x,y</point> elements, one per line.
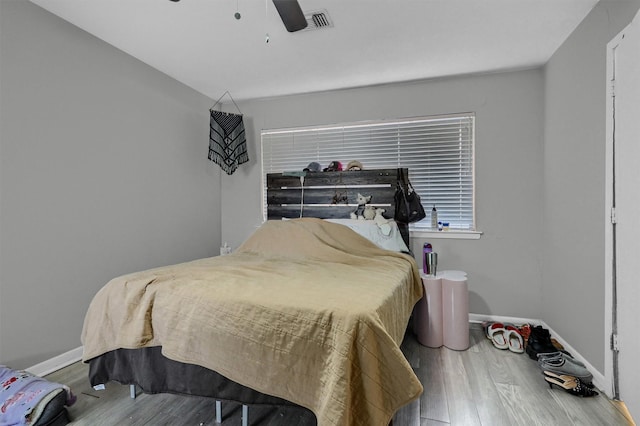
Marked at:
<point>480,386</point>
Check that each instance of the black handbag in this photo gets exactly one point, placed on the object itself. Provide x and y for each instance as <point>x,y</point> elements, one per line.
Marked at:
<point>408,205</point>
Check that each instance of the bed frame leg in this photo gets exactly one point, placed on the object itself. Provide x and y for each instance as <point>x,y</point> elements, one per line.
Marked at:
<point>132,391</point>
<point>218,412</point>
<point>245,415</point>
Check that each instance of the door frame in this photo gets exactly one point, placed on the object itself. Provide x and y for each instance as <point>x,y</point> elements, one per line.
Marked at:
<point>610,361</point>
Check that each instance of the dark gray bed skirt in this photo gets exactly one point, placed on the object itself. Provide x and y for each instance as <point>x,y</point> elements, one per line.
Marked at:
<point>154,373</point>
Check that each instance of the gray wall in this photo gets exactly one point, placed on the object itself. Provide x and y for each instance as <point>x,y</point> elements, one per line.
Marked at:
<point>103,171</point>
<point>574,176</point>
<point>504,265</point>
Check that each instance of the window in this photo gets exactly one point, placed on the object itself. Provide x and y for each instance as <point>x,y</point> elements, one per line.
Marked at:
<point>438,151</point>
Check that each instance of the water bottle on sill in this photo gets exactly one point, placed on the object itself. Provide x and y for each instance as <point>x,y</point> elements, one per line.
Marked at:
<point>434,218</point>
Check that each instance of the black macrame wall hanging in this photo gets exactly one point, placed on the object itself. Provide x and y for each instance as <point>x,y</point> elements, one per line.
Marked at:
<point>227,141</point>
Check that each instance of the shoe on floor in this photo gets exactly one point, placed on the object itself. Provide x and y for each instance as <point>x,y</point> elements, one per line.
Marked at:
<point>525,331</point>
<point>562,366</point>
<point>571,384</point>
<point>539,342</point>
<point>557,344</point>
<point>559,354</point>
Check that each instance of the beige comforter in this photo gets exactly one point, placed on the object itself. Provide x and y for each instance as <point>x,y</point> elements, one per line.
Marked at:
<point>305,310</point>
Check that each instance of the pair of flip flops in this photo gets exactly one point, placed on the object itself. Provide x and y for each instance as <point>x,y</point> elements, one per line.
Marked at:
<point>504,336</point>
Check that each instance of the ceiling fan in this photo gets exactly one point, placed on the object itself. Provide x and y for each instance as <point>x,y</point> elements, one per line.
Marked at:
<point>291,14</point>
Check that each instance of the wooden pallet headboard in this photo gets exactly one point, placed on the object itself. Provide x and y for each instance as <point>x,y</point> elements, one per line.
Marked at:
<point>332,195</point>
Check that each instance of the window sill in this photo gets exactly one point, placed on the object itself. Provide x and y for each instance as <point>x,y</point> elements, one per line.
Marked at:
<point>454,235</point>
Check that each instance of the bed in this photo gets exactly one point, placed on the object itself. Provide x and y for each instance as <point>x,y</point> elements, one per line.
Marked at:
<point>306,312</point>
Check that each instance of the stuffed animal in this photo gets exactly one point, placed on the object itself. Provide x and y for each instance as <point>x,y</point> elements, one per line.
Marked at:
<point>369,212</point>
<point>382,223</point>
<point>362,201</point>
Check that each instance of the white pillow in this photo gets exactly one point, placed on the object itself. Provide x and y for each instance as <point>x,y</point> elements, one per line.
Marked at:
<point>371,231</point>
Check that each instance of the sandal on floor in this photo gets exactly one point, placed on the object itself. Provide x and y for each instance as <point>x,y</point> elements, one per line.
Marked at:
<point>496,333</point>
<point>485,328</point>
<point>514,339</point>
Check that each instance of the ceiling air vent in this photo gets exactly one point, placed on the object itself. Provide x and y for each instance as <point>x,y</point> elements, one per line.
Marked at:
<point>317,20</point>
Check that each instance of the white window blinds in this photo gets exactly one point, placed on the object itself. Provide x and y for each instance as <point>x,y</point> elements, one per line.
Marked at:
<point>438,151</point>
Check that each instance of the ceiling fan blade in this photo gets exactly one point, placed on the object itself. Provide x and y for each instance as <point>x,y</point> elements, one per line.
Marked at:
<point>291,14</point>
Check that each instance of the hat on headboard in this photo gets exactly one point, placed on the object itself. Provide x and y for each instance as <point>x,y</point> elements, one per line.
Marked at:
<point>313,167</point>
<point>334,166</point>
<point>354,165</point>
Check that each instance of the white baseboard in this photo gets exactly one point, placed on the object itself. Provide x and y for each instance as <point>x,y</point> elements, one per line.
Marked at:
<point>599,380</point>
<point>56,363</point>
<point>503,319</point>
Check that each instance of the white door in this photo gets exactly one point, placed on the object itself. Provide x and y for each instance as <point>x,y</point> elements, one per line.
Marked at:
<point>627,208</point>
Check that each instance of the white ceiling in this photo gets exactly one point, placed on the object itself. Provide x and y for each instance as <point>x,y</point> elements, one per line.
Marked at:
<point>200,43</point>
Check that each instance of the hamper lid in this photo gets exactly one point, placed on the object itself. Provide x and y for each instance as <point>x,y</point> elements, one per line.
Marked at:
<point>453,275</point>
